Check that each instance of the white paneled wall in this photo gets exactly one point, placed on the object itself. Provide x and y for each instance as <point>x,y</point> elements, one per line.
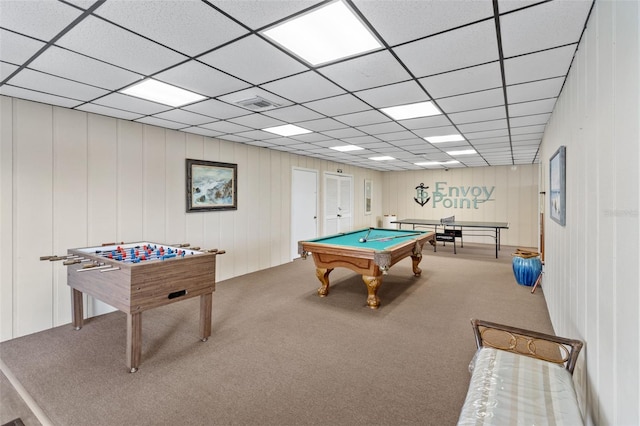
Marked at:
<point>74,179</point>
<point>591,270</point>
<point>514,198</point>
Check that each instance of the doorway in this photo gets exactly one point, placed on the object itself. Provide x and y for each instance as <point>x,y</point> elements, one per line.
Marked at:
<point>304,207</point>
<point>338,203</point>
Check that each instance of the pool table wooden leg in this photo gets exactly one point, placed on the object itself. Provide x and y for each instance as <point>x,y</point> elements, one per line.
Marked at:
<point>372,283</point>
<point>323,276</point>
<point>415,260</point>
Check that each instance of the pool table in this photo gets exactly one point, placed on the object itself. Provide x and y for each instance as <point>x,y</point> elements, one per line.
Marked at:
<point>372,258</point>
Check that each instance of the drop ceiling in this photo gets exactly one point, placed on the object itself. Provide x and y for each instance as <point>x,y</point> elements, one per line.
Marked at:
<point>493,68</point>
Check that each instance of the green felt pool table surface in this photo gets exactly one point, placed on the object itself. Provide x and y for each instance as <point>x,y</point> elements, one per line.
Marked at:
<point>369,252</point>
<point>373,242</point>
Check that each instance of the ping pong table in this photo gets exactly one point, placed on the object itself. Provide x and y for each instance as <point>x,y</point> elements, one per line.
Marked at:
<point>493,228</point>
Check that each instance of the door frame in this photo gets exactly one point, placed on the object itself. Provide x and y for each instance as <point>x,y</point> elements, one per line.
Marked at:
<point>294,241</point>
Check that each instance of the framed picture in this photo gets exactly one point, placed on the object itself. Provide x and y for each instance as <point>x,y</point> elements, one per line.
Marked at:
<point>557,186</point>
<point>367,196</point>
<point>211,186</point>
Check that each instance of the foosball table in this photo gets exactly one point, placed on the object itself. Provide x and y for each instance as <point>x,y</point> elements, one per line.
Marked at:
<point>135,277</point>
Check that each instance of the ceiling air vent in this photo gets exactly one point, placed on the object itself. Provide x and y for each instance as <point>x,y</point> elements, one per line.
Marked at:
<point>257,103</point>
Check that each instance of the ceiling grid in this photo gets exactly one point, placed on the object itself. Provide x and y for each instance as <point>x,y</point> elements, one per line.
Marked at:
<point>493,68</point>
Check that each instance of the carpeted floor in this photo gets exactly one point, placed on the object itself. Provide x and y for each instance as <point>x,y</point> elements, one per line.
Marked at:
<point>281,355</point>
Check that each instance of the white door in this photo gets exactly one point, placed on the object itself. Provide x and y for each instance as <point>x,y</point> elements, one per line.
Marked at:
<point>338,203</point>
<point>304,207</point>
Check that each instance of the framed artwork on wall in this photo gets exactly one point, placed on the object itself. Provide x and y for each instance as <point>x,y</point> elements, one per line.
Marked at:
<point>557,186</point>
<point>211,186</point>
<point>367,195</point>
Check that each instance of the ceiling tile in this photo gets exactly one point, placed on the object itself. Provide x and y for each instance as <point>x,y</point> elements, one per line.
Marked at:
<point>258,135</point>
<point>524,130</point>
<point>39,19</point>
<point>478,115</point>
<point>167,124</point>
<point>17,49</point>
<point>31,95</point>
<point>543,26</point>
<point>535,91</point>
<point>216,109</point>
<point>534,107</point>
<point>528,120</point>
<point>53,85</point>
<point>6,70</point>
<point>304,87</point>
<point>338,105</point>
<point>343,133</point>
<point>436,131</point>
<point>471,101</point>
<point>538,66</point>
<point>293,114</point>
<point>259,13</point>
<point>83,69</point>
<point>486,134</point>
<point>402,21</point>
<point>186,117</point>
<point>110,112</point>
<point>474,45</point>
<point>363,118</point>
<point>257,121</point>
<point>404,93</point>
<point>131,104</point>
<point>381,128</point>
<point>484,125</point>
<point>233,138</point>
<point>225,127</point>
<point>473,79</point>
<point>261,144</point>
<point>498,140</point>
<point>192,27</point>
<point>98,39</point>
<point>372,70</point>
<point>509,5</point>
<point>201,79</point>
<point>254,60</point>
<point>425,122</point>
<point>201,131</point>
<point>316,138</point>
<point>322,124</point>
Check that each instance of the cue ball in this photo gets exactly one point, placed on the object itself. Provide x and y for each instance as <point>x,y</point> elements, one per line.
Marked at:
<point>362,240</point>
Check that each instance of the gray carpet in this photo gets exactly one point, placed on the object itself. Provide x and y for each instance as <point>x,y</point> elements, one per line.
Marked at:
<point>281,355</point>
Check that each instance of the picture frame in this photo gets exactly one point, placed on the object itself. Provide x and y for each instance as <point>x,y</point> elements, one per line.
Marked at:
<point>368,192</point>
<point>557,186</point>
<point>211,186</point>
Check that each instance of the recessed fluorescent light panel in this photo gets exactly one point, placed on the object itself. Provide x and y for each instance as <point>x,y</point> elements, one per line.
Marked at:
<point>463,152</point>
<point>287,130</point>
<point>404,112</point>
<point>383,158</point>
<point>324,35</point>
<point>157,91</point>
<point>346,148</point>
<point>445,138</point>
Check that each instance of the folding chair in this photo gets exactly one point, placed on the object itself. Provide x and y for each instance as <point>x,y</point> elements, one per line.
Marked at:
<point>448,234</point>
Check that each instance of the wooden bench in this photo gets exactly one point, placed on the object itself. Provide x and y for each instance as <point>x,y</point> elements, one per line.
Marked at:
<point>521,377</point>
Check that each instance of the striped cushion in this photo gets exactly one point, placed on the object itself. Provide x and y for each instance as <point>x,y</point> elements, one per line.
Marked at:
<point>512,389</point>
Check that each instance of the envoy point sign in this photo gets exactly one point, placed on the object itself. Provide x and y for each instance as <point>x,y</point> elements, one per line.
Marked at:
<point>454,197</point>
